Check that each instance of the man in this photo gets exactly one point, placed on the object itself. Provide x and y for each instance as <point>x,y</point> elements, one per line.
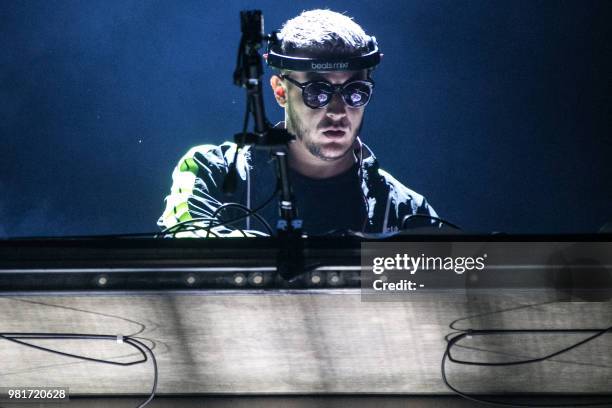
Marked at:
<point>324,62</point>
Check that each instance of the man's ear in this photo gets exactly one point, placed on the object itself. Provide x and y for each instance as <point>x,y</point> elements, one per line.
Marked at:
<point>279,91</point>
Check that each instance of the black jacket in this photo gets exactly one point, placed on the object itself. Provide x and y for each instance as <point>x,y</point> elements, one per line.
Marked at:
<point>198,179</point>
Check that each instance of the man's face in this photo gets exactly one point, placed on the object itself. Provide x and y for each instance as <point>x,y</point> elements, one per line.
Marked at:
<point>327,133</point>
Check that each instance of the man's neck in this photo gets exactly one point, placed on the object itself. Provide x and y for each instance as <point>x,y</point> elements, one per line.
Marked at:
<point>307,165</point>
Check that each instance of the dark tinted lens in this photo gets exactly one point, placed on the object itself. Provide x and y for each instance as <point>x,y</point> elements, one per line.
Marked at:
<point>317,94</point>
<point>357,93</point>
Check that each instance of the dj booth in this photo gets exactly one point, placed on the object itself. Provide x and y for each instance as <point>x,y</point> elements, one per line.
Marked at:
<point>226,329</point>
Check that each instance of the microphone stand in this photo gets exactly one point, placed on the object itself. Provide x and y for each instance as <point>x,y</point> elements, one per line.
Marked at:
<point>248,74</point>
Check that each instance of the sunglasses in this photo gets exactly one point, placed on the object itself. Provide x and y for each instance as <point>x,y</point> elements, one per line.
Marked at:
<point>318,93</point>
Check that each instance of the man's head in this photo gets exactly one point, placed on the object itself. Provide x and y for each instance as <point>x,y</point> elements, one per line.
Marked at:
<point>326,120</point>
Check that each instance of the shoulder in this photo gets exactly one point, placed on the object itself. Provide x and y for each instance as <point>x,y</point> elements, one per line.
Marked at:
<point>381,181</point>
<point>207,155</point>
<point>400,194</point>
<point>403,200</point>
<point>211,157</point>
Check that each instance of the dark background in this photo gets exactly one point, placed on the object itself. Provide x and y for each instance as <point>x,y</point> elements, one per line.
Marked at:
<point>497,111</point>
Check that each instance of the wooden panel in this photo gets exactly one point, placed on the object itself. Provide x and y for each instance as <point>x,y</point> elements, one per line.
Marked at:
<point>317,341</point>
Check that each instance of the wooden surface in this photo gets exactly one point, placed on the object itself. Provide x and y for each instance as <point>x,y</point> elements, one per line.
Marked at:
<point>290,342</point>
<point>310,401</point>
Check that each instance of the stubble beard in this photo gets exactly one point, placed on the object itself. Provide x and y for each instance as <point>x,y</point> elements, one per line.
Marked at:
<point>296,126</point>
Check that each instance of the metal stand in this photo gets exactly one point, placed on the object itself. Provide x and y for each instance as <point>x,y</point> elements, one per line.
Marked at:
<point>248,73</point>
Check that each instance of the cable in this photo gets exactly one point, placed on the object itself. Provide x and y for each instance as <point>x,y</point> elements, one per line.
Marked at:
<point>142,348</point>
<point>190,225</point>
<point>248,212</point>
<point>131,340</point>
<point>186,223</point>
<point>451,341</point>
<point>511,309</point>
<point>429,217</point>
<point>599,332</point>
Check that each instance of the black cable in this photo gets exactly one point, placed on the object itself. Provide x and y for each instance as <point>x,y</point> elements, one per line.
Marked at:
<point>190,225</point>
<point>451,341</point>
<point>132,341</point>
<point>253,212</point>
<point>42,336</point>
<point>511,309</point>
<point>229,222</point>
<point>598,332</point>
<point>248,212</point>
<point>186,223</point>
<point>429,217</point>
